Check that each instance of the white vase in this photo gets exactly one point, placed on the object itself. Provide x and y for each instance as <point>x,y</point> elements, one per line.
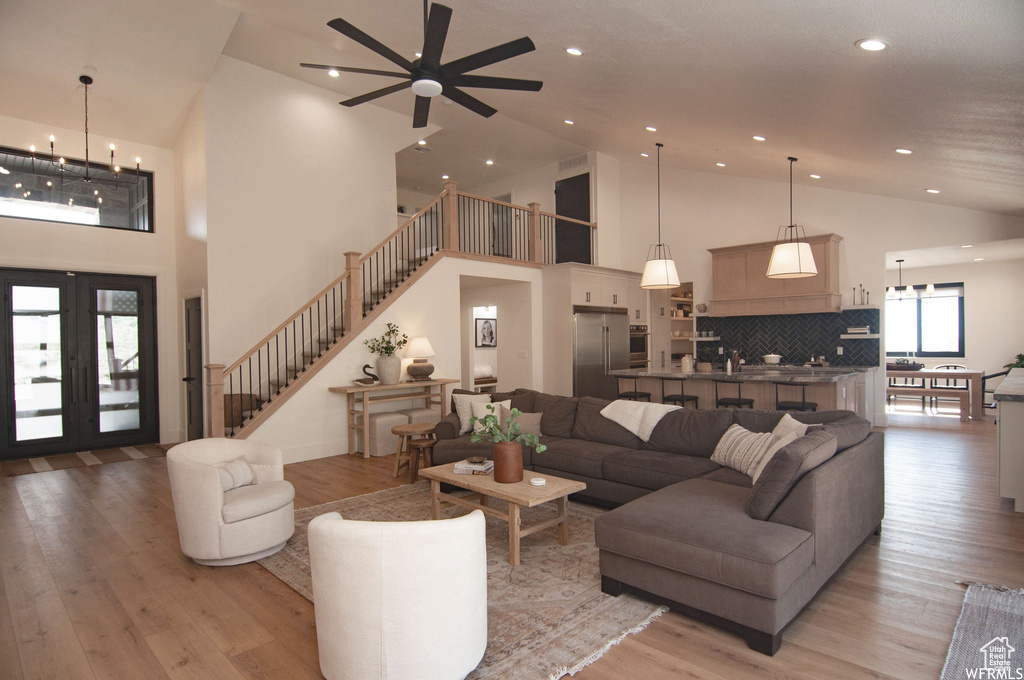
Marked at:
<point>389,369</point>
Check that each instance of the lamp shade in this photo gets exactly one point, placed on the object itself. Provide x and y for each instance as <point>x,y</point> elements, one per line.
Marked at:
<point>791,260</point>
<point>659,274</point>
<point>419,347</point>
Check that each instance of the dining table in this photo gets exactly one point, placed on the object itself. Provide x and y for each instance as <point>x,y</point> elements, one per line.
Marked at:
<point>935,381</point>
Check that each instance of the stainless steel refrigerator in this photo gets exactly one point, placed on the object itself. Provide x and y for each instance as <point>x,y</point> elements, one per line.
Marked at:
<point>600,344</point>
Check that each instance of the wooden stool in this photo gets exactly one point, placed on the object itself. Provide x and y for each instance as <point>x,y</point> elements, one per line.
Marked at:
<point>739,401</point>
<point>409,447</point>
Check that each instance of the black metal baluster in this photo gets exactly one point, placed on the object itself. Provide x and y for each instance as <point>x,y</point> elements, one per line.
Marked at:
<point>231,402</point>
<point>277,355</point>
<point>250,388</point>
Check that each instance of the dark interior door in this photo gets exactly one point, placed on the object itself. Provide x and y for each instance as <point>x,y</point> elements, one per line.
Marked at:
<point>79,366</point>
<point>572,199</point>
<point>194,367</point>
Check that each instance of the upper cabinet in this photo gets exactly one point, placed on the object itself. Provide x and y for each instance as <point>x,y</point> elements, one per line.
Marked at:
<point>740,287</point>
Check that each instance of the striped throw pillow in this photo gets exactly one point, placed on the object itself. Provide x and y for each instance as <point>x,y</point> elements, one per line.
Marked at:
<point>743,450</point>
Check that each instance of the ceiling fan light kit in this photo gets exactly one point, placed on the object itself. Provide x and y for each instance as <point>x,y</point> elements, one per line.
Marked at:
<point>660,269</point>
<point>791,257</point>
<point>427,76</point>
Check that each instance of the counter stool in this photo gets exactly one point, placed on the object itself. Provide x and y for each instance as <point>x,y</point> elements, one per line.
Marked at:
<point>410,447</point>
<point>738,401</point>
<point>680,398</point>
<point>635,395</point>
<point>802,405</point>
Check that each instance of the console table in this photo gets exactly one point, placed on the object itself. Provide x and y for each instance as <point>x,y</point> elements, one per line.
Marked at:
<point>430,391</point>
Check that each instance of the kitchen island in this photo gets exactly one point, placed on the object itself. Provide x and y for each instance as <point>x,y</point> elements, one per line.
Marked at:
<point>830,387</point>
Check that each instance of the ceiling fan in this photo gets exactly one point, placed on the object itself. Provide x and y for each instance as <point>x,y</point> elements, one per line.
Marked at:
<point>427,76</point>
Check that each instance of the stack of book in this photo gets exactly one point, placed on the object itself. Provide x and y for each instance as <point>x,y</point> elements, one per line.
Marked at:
<point>858,330</point>
<point>464,467</point>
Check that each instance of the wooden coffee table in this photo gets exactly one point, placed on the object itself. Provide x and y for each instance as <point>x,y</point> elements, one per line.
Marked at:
<point>519,494</point>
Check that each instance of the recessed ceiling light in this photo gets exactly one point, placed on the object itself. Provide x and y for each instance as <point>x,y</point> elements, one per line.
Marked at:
<point>905,152</point>
<point>334,73</point>
<point>872,44</point>
<point>967,245</point>
<point>759,138</point>
<point>815,176</point>
<point>444,176</point>
<point>932,191</point>
<point>569,122</point>
<point>574,51</point>
<point>4,171</point>
<point>978,259</point>
<point>490,162</point>
<point>418,54</point>
<point>645,155</point>
<point>422,142</point>
<point>721,165</point>
<point>651,129</point>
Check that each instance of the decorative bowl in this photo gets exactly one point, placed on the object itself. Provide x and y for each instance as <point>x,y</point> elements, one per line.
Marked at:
<point>772,358</point>
<point>475,460</point>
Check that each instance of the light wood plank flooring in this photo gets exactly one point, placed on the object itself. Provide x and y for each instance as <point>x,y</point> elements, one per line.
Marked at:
<point>93,584</point>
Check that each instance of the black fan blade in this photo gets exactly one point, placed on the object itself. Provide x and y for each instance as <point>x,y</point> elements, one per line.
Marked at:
<point>370,96</point>
<point>348,30</point>
<point>470,102</point>
<point>349,69</point>
<point>488,57</point>
<point>419,116</point>
<point>433,41</point>
<point>496,83</point>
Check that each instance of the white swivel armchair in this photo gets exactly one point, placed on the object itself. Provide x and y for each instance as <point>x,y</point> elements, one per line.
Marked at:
<point>399,600</point>
<point>220,527</point>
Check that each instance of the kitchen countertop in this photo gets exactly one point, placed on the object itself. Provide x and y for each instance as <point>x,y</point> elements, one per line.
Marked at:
<point>1012,387</point>
<point>759,373</point>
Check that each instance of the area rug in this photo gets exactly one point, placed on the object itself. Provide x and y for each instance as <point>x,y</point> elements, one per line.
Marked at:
<point>546,617</point>
<point>64,461</point>
<point>988,641</point>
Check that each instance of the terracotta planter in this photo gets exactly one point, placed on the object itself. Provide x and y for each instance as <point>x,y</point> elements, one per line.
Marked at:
<point>389,370</point>
<point>508,462</point>
<point>703,366</point>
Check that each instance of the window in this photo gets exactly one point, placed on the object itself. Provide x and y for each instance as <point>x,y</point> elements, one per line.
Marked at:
<point>926,325</point>
<point>34,186</point>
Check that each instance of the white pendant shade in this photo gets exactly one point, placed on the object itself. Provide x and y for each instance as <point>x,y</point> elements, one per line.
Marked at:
<point>659,274</point>
<point>791,260</point>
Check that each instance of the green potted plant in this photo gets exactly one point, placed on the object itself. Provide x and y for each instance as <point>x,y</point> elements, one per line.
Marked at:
<point>389,365</point>
<point>1019,363</point>
<point>508,443</point>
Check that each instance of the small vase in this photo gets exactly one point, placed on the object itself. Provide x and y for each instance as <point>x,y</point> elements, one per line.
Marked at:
<point>389,369</point>
<point>508,462</point>
<point>703,366</point>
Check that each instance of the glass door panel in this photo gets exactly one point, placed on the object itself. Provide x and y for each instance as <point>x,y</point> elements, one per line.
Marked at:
<point>37,362</point>
<point>117,359</point>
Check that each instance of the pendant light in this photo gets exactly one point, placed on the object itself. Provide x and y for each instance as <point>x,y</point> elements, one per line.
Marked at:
<point>791,257</point>
<point>660,269</point>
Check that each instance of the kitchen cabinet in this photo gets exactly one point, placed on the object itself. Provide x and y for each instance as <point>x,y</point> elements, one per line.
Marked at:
<point>740,287</point>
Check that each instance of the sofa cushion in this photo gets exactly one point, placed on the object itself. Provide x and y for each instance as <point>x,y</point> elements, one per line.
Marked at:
<point>756,421</point>
<point>255,500</point>
<point>726,475</point>
<point>523,399</point>
<point>786,468</point>
<point>848,431</point>
<point>559,414</point>
<point>575,455</point>
<point>690,432</point>
<point>700,528</point>
<point>593,426</point>
<point>653,469</point>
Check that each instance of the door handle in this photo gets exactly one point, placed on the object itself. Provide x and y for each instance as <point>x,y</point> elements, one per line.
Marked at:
<point>188,380</point>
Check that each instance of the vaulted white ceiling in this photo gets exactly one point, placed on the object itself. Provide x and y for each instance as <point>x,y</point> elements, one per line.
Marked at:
<point>709,74</point>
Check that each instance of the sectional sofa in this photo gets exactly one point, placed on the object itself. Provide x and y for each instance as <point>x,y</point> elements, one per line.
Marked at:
<point>700,536</point>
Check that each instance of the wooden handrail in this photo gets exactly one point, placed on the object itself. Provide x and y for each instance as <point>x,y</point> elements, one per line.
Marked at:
<point>405,225</point>
<point>492,200</point>
<point>592,225</point>
<point>293,317</point>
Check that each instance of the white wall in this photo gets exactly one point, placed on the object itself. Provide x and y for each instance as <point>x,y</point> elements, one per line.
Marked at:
<point>293,181</point>
<point>513,359</point>
<point>993,299</point>
<point>414,201</point>
<point>607,184</point>
<point>51,245</point>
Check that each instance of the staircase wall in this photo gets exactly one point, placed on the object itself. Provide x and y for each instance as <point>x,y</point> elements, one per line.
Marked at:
<point>312,424</point>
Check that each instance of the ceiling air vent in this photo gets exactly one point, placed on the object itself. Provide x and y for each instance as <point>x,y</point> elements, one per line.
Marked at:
<point>570,164</point>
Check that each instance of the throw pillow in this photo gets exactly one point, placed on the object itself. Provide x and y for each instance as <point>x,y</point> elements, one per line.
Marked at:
<point>789,424</point>
<point>741,449</point>
<point>481,409</point>
<point>786,468</point>
<point>463,407</point>
<point>529,423</point>
<point>236,473</point>
<point>776,446</point>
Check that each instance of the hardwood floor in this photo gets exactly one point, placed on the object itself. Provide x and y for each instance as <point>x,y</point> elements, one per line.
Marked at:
<point>93,584</point>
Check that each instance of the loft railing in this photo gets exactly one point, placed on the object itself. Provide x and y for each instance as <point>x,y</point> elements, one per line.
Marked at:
<point>248,390</point>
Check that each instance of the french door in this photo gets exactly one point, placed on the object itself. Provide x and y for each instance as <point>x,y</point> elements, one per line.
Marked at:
<point>79,364</point>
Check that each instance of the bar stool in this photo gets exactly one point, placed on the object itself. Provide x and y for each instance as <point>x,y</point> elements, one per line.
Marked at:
<point>738,401</point>
<point>635,395</point>
<point>412,439</point>
<point>680,398</point>
<point>802,405</point>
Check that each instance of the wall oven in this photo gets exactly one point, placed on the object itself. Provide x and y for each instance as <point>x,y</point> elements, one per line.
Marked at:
<point>639,339</point>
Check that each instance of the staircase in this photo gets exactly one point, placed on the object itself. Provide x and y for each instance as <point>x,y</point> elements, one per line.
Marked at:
<point>246,393</point>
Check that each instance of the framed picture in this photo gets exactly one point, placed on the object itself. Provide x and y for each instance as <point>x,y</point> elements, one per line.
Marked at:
<point>486,332</point>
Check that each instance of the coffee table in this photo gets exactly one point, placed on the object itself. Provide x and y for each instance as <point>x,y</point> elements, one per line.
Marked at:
<point>517,495</point>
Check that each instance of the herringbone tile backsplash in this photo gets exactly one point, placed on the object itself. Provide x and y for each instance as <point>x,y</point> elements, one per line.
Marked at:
<point>797,336</point>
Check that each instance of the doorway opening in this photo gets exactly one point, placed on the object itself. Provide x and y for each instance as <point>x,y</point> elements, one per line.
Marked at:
<point>572,199</point>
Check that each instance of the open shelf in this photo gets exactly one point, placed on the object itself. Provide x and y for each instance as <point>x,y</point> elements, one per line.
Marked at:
<point>859,336</point>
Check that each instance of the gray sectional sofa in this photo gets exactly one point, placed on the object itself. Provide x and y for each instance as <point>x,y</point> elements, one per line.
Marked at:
<point>699,536</point>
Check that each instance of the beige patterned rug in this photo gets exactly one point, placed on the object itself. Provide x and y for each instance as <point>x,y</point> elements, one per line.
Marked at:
<point>546,618</point>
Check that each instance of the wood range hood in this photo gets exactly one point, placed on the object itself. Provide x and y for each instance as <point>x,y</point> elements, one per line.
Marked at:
<point>739,286</point>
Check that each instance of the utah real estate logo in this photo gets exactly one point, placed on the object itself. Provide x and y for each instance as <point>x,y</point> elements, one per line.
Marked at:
<point>997,664</point>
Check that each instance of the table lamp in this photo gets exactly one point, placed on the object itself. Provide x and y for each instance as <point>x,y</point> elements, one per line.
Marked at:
<point>420,368</point>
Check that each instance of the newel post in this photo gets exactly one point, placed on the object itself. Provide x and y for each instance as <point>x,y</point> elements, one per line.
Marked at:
<point>536,246</point>
<point>450,221</point>
<point>215,393</point>
<point>353,292</point>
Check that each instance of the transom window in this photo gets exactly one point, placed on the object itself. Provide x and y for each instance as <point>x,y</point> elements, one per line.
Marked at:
<point>927,325</point>
<point>37,187</point>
